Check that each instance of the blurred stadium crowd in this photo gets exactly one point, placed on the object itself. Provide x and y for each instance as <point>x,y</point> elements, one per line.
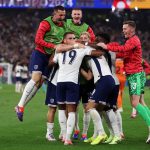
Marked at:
<point>18,28</point>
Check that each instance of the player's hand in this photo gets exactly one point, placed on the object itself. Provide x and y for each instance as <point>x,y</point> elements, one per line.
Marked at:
<point>58,46</point>
<point>79,45</point>
<point>55,46</point>
<point>103,45</point>
<point>78,41</point>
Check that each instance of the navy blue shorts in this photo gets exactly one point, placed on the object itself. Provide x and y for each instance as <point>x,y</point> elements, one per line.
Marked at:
<point>24,81</point>
<point>39,62</point>
<point>18,79</point>
<point>112,99</point>
<point>103,88</point>
<point>67,93</point>
<point>51,95</point>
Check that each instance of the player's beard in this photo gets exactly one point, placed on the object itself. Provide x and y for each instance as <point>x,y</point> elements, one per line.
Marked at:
<point>60,20</point>
<point>77,21</point>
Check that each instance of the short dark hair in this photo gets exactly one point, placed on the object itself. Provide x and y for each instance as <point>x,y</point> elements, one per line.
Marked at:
<point>59,7</point>
<point>130,23</point>
<point>77,9</point>
<point>67,34</point>
<point>104,36</point>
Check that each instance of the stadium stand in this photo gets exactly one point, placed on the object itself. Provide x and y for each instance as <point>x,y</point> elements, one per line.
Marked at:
<point>18,27</point>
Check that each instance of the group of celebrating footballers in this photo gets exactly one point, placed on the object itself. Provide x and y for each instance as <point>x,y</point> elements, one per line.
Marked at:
<point>78,65</point>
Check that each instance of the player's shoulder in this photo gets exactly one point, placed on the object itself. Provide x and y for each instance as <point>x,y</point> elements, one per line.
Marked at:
<point>135,39</point>
<point>89,48</point>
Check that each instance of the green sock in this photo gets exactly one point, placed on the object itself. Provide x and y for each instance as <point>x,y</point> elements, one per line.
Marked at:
<point>142,111</point>
<point>148,110</point>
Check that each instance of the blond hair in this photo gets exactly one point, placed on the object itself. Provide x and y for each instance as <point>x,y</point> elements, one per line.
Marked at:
<point>86,33</point>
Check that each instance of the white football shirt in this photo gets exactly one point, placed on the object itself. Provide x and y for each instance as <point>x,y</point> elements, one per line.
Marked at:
<point>53,76</point>
<point>24,74</point>
<point>18,70</point>
<point>99,67</point>
<point>69,64</point>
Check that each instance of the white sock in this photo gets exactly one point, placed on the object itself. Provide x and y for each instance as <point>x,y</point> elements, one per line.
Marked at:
<point>119,121</point>
<point>77,121</point>
<point>62,121</point>
<point>31,95</point>
<point>97,121</point>
<point>50,127</point>
<point>86,122</point>
<point>95,134</point>
<point>70,124</point>
<point>108,124</point>
<point>28,88</point>
<point>19,87</point>
<point>60,135</point>
<point>113,121</point>
<point>16,87</point>
<point>22,88</point>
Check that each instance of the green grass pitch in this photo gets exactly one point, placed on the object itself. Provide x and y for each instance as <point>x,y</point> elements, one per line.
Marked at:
<point>30,134</point>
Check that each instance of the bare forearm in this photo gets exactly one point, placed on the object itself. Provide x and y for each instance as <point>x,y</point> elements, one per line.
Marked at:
<point>87,75</point>
<point>64,47</point>
<point>97,53</point>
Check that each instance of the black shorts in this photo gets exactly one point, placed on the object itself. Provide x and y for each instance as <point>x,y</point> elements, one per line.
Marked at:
<point>86,90</point>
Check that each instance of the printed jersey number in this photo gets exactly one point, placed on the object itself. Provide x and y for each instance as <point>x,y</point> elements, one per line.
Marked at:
<point>72,55</point>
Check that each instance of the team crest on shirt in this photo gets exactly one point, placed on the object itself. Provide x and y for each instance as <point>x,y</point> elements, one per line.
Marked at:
<point>51,100</point>
<point>35,67</point>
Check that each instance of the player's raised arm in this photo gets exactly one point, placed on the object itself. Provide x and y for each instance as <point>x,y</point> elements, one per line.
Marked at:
<point>97,53</point>
<point>72,43</point>
<point>64,47</point>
